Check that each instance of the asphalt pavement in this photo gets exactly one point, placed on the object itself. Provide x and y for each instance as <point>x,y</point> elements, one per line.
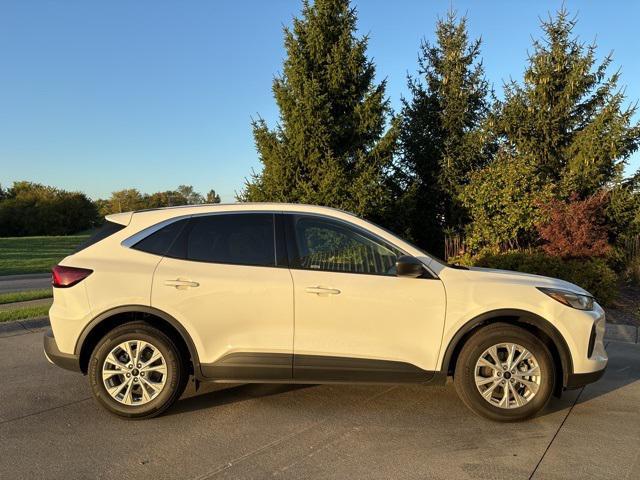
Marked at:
<point>50,427</point>
<point>18,283</point>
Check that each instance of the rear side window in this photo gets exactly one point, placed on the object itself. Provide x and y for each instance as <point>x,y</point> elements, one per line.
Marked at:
<point>106,230</point>
<point>160,242</point>
<point>238,239</point>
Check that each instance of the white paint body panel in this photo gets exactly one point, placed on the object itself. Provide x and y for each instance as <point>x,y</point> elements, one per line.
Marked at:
<point>235,308</point>
<point>261,309</point>
<point>377,317</point>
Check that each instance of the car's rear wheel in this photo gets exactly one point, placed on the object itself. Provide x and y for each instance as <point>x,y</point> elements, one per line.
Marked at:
<point>504,373</point>
<point>136,371</point>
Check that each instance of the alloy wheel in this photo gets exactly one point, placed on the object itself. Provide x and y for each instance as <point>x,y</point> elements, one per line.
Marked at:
<point>507,375</point>
<point>134,372</point>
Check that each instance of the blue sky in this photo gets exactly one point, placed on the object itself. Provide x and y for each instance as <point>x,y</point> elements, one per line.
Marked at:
<point>100,96</point>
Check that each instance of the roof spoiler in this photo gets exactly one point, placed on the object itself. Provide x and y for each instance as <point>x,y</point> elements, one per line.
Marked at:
<point>120,218</point>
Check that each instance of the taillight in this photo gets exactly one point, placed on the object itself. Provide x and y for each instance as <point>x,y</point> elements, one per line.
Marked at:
<point>64,277</point>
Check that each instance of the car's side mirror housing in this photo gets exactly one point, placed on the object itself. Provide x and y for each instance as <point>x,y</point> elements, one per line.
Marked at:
<point>407,266</point>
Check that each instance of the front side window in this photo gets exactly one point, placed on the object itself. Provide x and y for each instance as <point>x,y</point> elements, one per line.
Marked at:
<point>325,244</point>
<point>239,239</point>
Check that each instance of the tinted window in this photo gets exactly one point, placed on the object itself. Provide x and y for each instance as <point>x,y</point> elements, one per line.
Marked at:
<point>241,239</point>
<point>324,244</point>
<point>159,242</point>
<point>106,230</point>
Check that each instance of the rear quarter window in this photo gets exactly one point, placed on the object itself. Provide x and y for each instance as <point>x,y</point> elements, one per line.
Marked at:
<point>160,242</point>
<point>106,230</point>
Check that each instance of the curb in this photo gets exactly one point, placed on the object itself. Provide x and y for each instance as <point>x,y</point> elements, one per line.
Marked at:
<point>622,333</point>
<point>16,327</point>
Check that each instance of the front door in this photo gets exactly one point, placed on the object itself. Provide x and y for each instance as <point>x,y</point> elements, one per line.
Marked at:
<point>354,318</point>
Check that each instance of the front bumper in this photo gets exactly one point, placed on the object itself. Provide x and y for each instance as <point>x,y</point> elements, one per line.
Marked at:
<point>579,380</point>
<point>55,356</point>
<point>589,355</point>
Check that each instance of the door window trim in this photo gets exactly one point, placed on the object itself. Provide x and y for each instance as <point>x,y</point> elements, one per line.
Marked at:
<point>285,248</point>
<point>278,233</point>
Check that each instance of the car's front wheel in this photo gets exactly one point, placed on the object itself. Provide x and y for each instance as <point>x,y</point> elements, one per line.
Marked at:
<point>136,371</point>
<point>504,373</point>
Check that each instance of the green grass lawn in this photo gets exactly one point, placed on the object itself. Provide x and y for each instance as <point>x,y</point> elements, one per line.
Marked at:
<point>24,313</point>
<point>35,254</point>
<point>13,297</point>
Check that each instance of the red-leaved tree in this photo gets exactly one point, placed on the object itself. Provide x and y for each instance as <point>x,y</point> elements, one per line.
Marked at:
<point>576,228</point>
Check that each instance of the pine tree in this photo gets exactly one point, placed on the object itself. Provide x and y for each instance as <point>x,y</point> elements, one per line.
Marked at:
<point>441,132</point>
<point>568,117</point>
<point>567,135</point>
<point>330,146</point>
<point>212,197</point>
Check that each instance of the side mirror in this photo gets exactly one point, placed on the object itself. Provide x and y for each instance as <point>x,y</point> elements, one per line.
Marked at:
<point>407,266</point>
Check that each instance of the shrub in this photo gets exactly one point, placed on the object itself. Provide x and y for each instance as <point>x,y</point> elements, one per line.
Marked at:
<point>592,274</point>
<point>623,210</point>
<point>503,200</point>
<point>575,229</point>
<point>617,258</point>
<point>34,209</point>
<point>632,272</point>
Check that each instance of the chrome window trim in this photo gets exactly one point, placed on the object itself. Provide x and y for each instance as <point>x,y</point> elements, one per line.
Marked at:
<point>144,233</point>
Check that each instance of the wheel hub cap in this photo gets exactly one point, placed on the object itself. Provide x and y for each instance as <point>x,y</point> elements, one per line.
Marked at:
<point>507,375</point>
<point>134,372</point>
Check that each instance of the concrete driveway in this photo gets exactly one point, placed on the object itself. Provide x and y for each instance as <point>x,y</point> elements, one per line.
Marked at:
<point>50,427</point>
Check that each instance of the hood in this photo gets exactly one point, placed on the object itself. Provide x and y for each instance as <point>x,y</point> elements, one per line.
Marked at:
<point>508,276</point>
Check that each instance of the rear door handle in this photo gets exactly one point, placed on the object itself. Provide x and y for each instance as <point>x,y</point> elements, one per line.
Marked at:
<point>322,290</point>
<point>181,284</point>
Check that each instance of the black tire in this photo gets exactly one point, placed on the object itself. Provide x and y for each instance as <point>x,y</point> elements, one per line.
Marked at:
<point>475,346</point>
<point>176,371</point>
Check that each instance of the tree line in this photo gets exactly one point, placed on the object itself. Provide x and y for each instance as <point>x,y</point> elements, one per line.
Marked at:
<point>456,159</point>
<point>537,169</point>
<point>28,208</point>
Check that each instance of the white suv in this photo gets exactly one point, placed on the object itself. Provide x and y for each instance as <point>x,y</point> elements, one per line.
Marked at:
<point>305,294</point>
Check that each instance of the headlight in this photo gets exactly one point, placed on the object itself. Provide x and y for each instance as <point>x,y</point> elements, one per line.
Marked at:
<point>570,299</point>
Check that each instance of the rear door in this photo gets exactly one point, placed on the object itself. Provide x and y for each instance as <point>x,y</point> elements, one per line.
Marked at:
<point>354,318</point>
<point>223,280</point>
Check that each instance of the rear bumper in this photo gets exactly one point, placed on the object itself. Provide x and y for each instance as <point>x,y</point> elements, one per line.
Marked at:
<point>55,356</point>
<point>578,380</point>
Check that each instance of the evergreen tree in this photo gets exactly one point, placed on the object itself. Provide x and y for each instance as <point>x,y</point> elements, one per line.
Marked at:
<point>330,147</point>
<point>568,117</point>
<point>212,197</point>
<point>504,200</point>
<point>623,210</point>
<point>441,132</point>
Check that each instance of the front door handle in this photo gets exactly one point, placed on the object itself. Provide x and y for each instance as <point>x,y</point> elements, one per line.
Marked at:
<point>322,290</point>
<point>181,284</point>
